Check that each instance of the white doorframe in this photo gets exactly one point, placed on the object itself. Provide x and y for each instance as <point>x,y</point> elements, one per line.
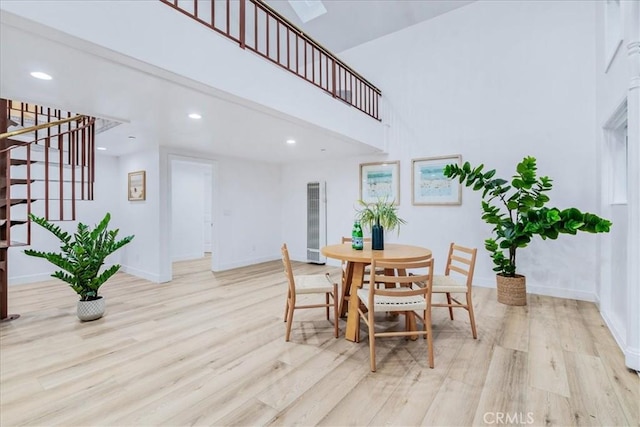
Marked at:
<point>166,157</point>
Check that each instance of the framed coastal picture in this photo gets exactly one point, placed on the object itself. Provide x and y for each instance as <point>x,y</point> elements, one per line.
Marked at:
<point>137,185</point>
<point>430,186</point>
<point>380,181</point>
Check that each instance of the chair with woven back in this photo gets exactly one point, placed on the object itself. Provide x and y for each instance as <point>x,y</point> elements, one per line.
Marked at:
<point>308,284</point>
<point>461,261</point>
<point>405,298</point>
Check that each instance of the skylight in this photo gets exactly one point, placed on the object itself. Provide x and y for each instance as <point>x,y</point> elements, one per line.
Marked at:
<point>308,9</point>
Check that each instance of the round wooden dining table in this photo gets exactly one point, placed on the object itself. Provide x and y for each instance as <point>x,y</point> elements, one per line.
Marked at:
<point>356,261</point>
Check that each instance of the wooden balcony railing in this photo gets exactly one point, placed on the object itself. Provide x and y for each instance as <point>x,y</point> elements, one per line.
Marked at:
<point>257,27</point>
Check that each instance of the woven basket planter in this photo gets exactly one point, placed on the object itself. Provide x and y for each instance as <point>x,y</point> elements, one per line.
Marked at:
<point>512,290</point>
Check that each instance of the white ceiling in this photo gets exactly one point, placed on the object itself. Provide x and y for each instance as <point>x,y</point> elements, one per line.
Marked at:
<point>349,23</point>
<point>152,104</point>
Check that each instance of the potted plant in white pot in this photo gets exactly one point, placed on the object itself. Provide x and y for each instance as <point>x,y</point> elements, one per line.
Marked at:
<point>517,212</point>
<point>379,216</point>
<point>81,257</point>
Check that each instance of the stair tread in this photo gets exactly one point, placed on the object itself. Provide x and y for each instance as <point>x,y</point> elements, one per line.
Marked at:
<point>13,222</point>
<point>3,244</point>
<point>17,181</point>
<point>24,180</point>
<point>14,202</point>
<point>17,162</point>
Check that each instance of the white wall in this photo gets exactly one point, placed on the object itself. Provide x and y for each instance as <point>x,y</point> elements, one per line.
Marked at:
<point>248,213</point>
<point>618,83</point>
<point>493,81</point>
<point>246,210</point>
<point>26,269</point>
<point>141,257</point>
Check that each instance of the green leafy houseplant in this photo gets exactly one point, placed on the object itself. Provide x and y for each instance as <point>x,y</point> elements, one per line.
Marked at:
<point>517,211</point>
<point>377,216</point>
<point>381,212</point>
<point>82,255</point>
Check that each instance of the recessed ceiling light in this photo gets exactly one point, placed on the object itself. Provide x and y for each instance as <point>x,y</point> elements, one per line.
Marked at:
<point>323,149</point>
<point>40,75</point>
<point>101,148</point>
<point>291,141</point>
<point>131,137</point>
<point>195,116</point>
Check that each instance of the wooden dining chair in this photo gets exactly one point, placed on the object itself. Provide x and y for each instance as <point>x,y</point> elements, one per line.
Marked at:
<point>458,279</point>
<point>308,284</point>
<point>406,297</point>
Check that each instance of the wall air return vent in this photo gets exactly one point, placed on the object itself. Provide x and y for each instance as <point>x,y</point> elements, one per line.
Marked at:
<point>316,221</point>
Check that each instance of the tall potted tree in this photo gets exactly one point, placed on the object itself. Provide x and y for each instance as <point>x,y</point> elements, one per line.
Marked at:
<point>81,257</point>
<point>517,212</point>
<point>378,216</point>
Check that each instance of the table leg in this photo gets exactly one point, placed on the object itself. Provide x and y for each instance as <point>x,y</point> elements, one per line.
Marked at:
<point>411,324</point>
<point>346,288</point>
<point>357,276</point>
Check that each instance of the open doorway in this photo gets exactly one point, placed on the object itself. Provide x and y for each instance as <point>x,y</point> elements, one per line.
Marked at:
<point>191,215</point>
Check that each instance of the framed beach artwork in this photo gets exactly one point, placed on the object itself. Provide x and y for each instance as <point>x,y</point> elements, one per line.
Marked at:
<point>137,186</point>
<point>380,181</point>
<point>430,186</point>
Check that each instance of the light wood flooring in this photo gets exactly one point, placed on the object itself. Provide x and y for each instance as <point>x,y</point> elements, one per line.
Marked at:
<point>208,349</point>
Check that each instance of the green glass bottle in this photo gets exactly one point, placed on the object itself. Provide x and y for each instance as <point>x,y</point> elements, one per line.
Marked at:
<point>356,237</point>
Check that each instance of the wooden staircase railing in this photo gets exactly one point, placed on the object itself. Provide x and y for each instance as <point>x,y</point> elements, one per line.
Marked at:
<point>44,167</point>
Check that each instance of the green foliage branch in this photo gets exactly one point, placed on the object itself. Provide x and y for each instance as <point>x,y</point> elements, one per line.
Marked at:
<point>381,212</point>
<point>517,211</point>
<point>82,254</point>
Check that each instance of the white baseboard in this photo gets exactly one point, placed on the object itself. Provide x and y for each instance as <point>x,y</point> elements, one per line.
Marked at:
<point>187,257</point>
<point>31,278</point>
<point>562,293</point>
<point>490,282</point>
<point>141,273</point>
<point>631,355</point>
<point>632,358</point>
<point>244,263</point>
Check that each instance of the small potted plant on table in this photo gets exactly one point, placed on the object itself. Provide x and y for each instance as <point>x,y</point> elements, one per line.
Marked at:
<point>378,216</point>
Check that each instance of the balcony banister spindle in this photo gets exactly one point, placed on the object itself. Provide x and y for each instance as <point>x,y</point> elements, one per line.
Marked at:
<point>61,174</point>
<point>228,29</point>
<point>266,20</point>
<point>47,145</point>
<point>243,22</point>
<point>72,155</point>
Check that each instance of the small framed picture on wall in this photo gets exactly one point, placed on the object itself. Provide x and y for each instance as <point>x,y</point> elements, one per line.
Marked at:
<point>430,186</point>
<point>137,186</point>
<point>380,181</point>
